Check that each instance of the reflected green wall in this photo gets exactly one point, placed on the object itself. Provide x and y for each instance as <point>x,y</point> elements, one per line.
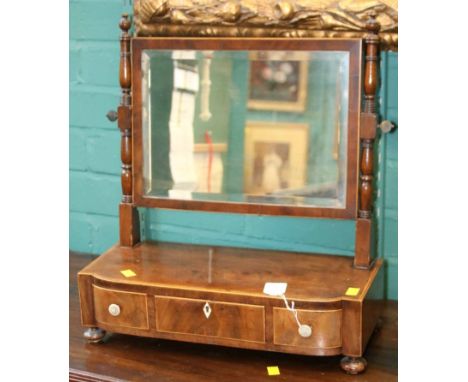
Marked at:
<point>234,177</point>
<point>95,164</point>
<point>161,95</point>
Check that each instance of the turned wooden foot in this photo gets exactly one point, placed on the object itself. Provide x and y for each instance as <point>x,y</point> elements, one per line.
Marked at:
<point>94,335</point>
<point>353,365</point>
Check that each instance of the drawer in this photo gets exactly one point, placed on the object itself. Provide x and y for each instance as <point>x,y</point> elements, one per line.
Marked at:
<point>226,320</point>
<point>325,324</point>
<point>120,308</point>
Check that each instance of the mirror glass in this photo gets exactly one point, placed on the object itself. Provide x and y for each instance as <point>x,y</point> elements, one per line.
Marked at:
<point>246,126</point>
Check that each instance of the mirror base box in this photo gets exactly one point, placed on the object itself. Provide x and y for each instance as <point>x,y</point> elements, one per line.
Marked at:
<point>205,294</point>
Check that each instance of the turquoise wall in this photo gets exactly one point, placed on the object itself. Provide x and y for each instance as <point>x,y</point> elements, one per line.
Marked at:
<point>95,164</point>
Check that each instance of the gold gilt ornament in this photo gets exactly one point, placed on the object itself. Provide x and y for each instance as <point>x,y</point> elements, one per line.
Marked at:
<point>266,18</point>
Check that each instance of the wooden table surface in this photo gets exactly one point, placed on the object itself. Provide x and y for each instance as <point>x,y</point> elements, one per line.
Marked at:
<point>128,358</point>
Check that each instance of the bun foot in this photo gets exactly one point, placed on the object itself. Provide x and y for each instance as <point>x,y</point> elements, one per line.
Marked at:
<point>353,365</point>
<point>94,335</point>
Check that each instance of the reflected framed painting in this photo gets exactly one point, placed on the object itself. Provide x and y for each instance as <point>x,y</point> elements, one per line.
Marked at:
<point>275,156</point>
<point>278,81</point>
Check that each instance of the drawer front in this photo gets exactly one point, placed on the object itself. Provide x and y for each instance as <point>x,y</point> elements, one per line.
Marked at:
<point>120,308</point>
<point>326,328</point>
<point>226,320</point>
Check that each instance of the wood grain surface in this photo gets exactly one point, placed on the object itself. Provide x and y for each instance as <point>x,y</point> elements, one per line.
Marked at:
<point>226,320</point>
<point>231,271</point>
<point>133,306</point>
<point>326,328</point>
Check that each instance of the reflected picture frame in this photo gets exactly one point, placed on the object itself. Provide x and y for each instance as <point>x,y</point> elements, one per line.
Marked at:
<point>267,94</point>
<point>284,143</point>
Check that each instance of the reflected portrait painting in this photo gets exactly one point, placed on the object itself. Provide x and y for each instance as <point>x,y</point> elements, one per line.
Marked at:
<point>270,148</point>
<point>271,167</point>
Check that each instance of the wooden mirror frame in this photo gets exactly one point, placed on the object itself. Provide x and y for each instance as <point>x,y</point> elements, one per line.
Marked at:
<point>129,118</point>
<point>352,46</point>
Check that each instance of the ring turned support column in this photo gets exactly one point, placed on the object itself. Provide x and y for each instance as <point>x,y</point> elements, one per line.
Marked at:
<point>129,221</point>
<point>364,226</point>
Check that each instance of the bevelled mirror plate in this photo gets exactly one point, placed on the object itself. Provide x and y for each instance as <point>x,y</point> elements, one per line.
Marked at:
<point>252,125</point>
<point>246,126</point>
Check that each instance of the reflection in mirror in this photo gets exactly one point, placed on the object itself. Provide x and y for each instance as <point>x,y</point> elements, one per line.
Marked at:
<point>246,126</point>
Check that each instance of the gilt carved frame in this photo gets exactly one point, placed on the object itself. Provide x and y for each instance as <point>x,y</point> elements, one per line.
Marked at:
<point>266,18</point>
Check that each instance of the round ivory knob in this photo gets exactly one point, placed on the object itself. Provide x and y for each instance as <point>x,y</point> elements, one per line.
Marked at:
<point>386,126</point>
<point>305,331</point>
<point>114,309</point>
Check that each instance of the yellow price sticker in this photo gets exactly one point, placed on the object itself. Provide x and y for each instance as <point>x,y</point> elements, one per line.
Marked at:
<point>273,370</point>
<point>352,291</point>
<point>128,273</point>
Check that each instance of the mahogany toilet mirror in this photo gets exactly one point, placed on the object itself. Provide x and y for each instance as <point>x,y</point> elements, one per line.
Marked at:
<point>252,125</point>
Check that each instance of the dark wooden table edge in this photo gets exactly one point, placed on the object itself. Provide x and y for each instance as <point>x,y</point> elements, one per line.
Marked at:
<point>85,376</point>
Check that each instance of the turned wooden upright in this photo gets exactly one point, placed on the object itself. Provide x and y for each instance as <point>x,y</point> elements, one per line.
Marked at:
<point>129,221</point>
<point>364,225</point>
